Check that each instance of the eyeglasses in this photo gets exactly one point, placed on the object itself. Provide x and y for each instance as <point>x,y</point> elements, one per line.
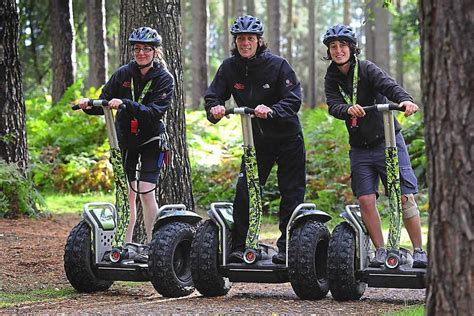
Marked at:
<point>146,50</point>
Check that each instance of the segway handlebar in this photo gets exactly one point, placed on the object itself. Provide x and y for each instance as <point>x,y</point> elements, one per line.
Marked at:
<point>384,107</point>
<point>96,103</point>
<point>244,110</point>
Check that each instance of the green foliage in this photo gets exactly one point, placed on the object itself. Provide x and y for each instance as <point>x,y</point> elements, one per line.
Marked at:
<point>416,310</point>
<point>62,203</point>
<point>68,150</point>
<point>43,295</point>
<point>17,194</point>
<point>413,132</point>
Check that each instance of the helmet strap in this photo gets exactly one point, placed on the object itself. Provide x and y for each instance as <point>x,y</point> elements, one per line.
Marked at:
<point>145,66</point>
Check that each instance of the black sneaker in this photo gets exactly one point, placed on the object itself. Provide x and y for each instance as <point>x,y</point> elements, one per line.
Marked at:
<point>142,256</point>
<point>420,259</point>
<point>236,256</point>
<point>379,259</point>
<point>279,258</point>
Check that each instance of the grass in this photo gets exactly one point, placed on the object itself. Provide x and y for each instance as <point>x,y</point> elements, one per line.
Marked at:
<point>66,203</point>
<point>417,310</point>
<point>10,299</point>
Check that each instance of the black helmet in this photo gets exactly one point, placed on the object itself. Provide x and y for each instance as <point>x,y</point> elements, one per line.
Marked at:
<point>247,24</point>
<point>339,32</point>
<point>145,35</point>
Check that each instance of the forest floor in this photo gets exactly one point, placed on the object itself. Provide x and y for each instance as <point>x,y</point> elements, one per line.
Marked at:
<point>32,272</point>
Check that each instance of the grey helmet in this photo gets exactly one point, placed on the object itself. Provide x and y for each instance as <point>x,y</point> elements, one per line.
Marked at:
<point>145,35</point>
<point>247,24</point>
<point>339,32</point>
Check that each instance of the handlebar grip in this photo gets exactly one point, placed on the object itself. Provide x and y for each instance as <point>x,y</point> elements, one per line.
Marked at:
<point>97,103</point>
<point>383,107</point>
<point>75,107</point>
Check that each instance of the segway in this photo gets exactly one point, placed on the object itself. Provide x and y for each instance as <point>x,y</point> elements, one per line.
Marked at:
<point>349,247</point>
<point>307,241</point>
<point>95,255</point>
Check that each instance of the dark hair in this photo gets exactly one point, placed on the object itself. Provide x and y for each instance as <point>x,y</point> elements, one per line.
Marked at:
<point>260,48</point>
<point>352,47</point>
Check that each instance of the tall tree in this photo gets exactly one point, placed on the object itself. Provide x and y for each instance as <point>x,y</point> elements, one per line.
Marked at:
<point>312,53</point>
<point>238,7</point>
<point>273,11</point>
<point>347,12</point>
<point>200,15</point>
<point>165,16</point>
<point>399,47</point>
<point>377,48</point>
<point>289,32</point>
<point>225,27</point>
<point>64,51</point>
<point>447,84</point>
<point>12,106</point>
<point>96,41</point>
<point>250,7</point>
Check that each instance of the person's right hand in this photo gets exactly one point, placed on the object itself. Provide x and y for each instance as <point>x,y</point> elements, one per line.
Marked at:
<point>84,104</point>
<point>356,110</point>
<point>218,111</point>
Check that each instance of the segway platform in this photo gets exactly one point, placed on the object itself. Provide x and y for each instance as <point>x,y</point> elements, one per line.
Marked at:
<point>126,270</point>
<point>402,277</point>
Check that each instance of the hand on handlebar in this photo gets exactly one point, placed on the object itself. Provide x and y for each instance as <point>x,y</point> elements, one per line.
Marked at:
<point>262,111</point>
<point>410,108</point>
<point>218,111</point>
<point>356,111</point>
<point>84,104</point>
<point>115,103</point>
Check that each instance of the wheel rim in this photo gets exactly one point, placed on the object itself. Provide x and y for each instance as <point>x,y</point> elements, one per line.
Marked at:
<point>181,264</point>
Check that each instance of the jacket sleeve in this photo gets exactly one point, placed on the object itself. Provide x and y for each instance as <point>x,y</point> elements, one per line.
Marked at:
<point>385,84</point>
<point>290,93</point>
<point>159,101</point>
<point>110,89</point>
<point>217,93</point>
<point>337,106</point>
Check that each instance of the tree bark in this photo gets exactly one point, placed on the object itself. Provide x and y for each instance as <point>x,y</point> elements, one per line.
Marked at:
<point>312,53</point>
<point>289,33</point>
<point>226,28</point>
<point>200,16</point>
<point>447,85</point>
<point>251,7</point>
<point>64,51</point>
<point>13,147</point>
<point>399,49</point>
<point>273,11</point>
<point>96,41</point>
<point>165,16</point>
<point>347,12</point>
<point>377,30</point>
<point>238,7</point>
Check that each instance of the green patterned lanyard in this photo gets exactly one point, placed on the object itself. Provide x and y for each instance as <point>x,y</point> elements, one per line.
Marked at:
<point>354,86</point>
<point>142,95</point>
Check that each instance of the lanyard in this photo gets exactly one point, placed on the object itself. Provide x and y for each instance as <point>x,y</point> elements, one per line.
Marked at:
<point>142,95</point>
<point>355,79</point>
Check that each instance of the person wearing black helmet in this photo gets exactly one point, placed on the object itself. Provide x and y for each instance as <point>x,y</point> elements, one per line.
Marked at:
<point>266,82</point>
<point>145,87</point>
<point>350,84</point>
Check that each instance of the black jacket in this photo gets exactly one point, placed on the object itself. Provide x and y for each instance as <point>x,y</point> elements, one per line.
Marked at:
<point>265,79</point>
<point>374,85</point>
<point>148,113</point>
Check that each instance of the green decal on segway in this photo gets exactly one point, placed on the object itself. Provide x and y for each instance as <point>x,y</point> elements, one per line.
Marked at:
<point>105,218</point>
<point>123,209</point>
<point>255,197</point>
<point>394,197</point>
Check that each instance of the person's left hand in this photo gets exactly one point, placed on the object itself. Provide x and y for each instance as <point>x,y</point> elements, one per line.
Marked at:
<point>262,111</point>
<point>115,103</point>
<point>410,108</point>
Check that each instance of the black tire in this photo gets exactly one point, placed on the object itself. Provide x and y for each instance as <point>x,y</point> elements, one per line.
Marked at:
<point>307,260</point>
<point>168,260</point>
<point>78,261</point>
<point>204,262</point>
<point>341,265</point>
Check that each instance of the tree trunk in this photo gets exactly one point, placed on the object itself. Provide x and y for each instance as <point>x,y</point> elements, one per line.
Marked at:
<point>399,49</point>
<point>273,10</point>
<point>447,85</point>
<point>199,51</point>
<point>347,12</point>
<point>96,41</point>
<point>165,16</point>
<point>289,33</point>
<point>226,28</point>
<point>13,147</point>
<point>251,7</point>
<point>377,30</point>
<point>64,51</point>
<point>238,7</point>
<point>312,53</point>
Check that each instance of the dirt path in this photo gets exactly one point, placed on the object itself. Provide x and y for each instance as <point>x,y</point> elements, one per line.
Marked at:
<point>32,258</point>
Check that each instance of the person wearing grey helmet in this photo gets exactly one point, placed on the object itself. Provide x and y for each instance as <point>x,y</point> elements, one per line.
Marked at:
<point>145,87</point>
<point>349,85</point>
<point>258,79</point>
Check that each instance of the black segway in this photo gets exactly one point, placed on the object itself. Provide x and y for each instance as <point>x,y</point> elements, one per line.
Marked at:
<point>349,247</point>
<point>95,256</point>
<point>307,241</point>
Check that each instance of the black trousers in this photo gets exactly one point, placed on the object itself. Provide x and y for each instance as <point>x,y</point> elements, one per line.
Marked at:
<point>290,157</point>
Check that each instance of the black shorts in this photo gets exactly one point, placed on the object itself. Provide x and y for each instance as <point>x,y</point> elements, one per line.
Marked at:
<point>143,162</point>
